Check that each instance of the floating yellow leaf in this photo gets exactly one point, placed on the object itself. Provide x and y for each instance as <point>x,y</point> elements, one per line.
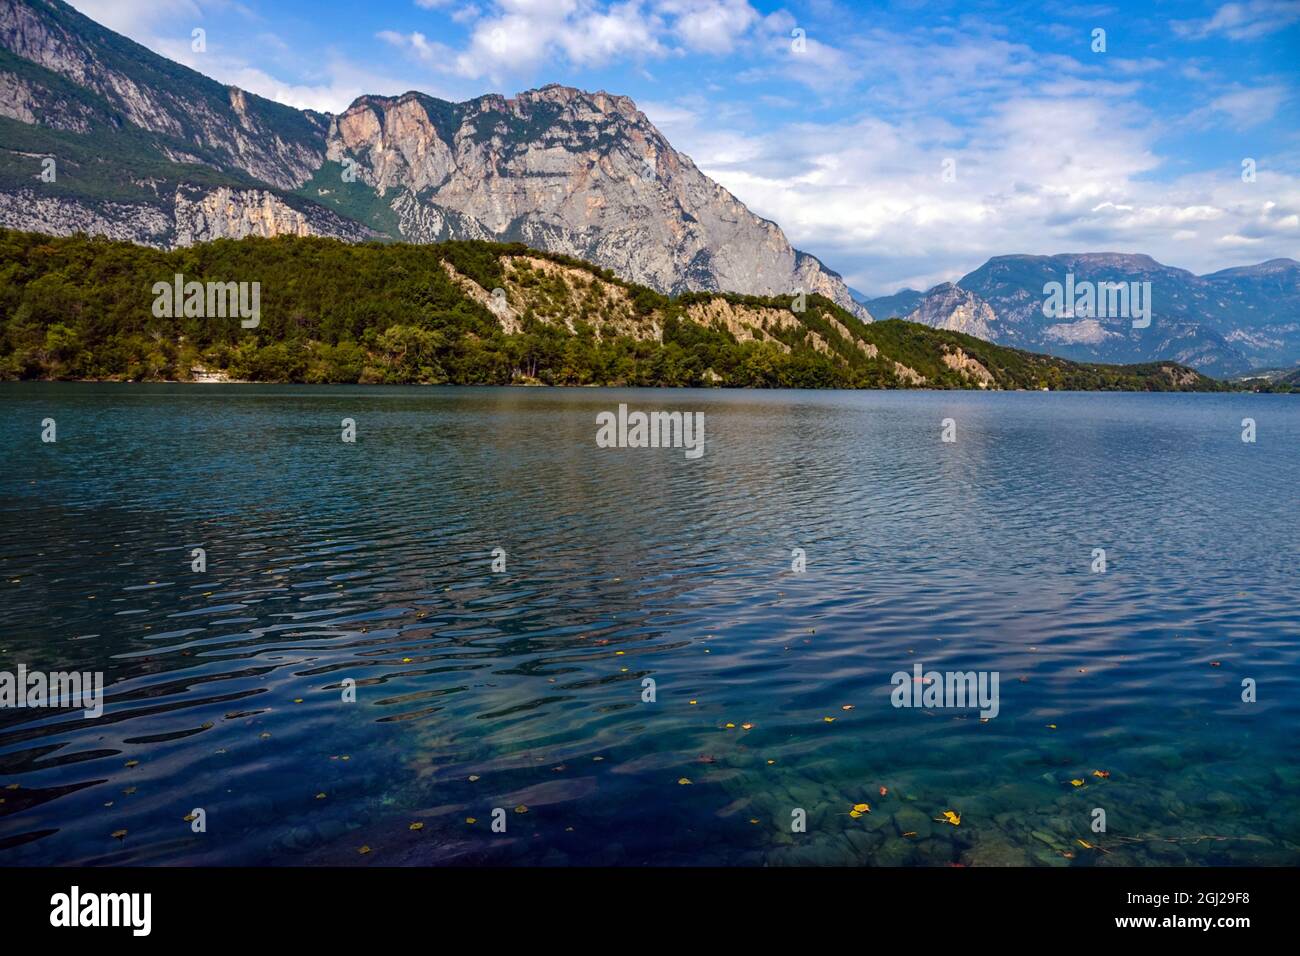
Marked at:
<point>416,826</point>
<point>364,850</point>
<point>1085,844</point>
<point>406,660</point>
<point>521,809</point>
<point>693,702</point>
<point>861,808</point>
<point>320,796</point>
<point>471,820</point>
<point>829,720</point>
<point>133,763</point>
<point>746,726</point>
<point>1076,782</point>
<point>770,762</point>
<point>1051,726</point>
<point>951,817</point>
<point>684,781</point>
<point>118,834</point>
<point>730,726</point>
<point>297,700</point>
<point>1102,774</point>
<point>855,814</point>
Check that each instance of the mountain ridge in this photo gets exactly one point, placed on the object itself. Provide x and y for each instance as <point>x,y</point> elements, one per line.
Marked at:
<point>579,173</point>
<point>1224,322</point>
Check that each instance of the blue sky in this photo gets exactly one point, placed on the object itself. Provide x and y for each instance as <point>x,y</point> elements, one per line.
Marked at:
<point>1054,147</point>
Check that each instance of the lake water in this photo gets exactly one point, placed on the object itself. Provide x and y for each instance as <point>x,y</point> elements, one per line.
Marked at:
<point>475,690</point>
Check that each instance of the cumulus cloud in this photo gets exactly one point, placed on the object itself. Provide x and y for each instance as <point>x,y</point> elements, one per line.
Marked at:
<point>516,39</point>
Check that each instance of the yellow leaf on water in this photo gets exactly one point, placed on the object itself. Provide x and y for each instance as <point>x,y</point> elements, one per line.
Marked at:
<point>861,808</point>
<point>1051,726</point>
<point>406,660</point>
<point>364,850</point>
<point>684,781</point>
<point>692,702</point>
<point>416,826</point>
<point>950,817</point>
<point>829,720</point>
<point>1085,844</point>
<point>1076,782</point>
<point>118,834</point>
<point>471,820</point>
<point>746,726</point>
<point>320,796</point>
<point>770,762</point>
<point>133,763</point>
<point>521,809</point>
<point>855,814</point>
<point>1102,774</point>
<point>730,726</point>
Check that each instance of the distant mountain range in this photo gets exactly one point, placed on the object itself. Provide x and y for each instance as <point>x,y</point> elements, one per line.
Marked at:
<point>100,135</point>
<point>1223,323</point>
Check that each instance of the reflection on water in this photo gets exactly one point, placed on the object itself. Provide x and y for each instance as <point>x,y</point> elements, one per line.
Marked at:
<point>372,562</point>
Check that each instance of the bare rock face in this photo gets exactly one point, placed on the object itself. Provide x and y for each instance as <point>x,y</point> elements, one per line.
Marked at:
<point>585,174</point>
<point>142,223</point>
<point>956,309</point>
<point>225,213</point>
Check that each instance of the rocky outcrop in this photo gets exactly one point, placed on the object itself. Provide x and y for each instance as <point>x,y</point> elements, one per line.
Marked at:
<point>142,223</point>
<point>223,213</point>
<point>185,217</point>
<point>970,368</point>
<point>953,308</point>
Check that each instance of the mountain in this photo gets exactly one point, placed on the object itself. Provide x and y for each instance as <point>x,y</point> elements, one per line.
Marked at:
<point>467,312</point>
<point>156,153</point>
<point>1223,323</point>
<point>894,306</point>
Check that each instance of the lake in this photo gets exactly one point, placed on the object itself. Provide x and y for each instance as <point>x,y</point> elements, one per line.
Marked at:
<point>370,568</point>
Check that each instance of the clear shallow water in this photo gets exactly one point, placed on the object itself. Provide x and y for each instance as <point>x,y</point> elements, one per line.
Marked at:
<point>373,561</point>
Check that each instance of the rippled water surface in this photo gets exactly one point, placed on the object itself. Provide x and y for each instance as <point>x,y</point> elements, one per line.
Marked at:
<point>524,690</point>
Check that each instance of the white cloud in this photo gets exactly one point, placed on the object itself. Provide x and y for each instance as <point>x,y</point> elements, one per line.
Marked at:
<point>1243,21</point>
<point>138,18</point>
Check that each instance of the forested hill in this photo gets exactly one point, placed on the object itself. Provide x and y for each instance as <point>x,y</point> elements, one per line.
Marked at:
<point>469,313</point>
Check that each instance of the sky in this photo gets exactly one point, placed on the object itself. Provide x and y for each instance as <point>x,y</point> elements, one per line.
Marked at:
<point>903,144</point>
